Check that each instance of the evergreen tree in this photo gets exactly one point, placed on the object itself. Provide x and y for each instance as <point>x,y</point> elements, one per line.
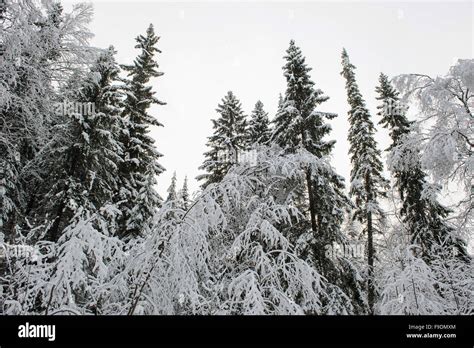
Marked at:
<point>422,214</point>
<point>299,125</point>
<point>228,140</point>
<point>184,195</point>
<point>391,111</point>
<point>85,153</point>
<point>138,197</point>
<point>102,92</point>
<point>259,126</point>
<point>367,182</point>
<point>172,195</point>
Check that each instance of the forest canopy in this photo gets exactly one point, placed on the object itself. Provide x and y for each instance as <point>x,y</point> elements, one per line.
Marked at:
<point>273,229</point>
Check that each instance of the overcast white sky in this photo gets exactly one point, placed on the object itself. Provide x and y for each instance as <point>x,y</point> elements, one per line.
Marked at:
<point>209,48</point>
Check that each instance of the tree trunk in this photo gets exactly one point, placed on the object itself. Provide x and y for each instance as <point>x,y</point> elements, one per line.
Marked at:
<point>54,232</point>
<point>370,256</point>
<point>370,250</point>
<point>312,211</point>
<point>10,224</point>
<point>309,183</point>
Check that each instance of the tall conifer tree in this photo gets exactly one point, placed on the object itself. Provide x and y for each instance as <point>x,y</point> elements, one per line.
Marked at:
<point>85,153</point>
<point>138,197</point>
<point>367,181</point>
<point>227,142</point>
<point>184,195</point>
<point>259,126</point>
<point>172,195</point>
<point>298,125</point>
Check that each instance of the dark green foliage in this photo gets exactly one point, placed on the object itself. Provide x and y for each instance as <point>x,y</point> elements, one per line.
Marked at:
<point>172,195</point>
<point>138,198</point>
<point>184,198</point>
<point>259,126</point>
<point>84,154</point>
<point>367,181</point>
<point>298,124</point>
<point>227,142</point>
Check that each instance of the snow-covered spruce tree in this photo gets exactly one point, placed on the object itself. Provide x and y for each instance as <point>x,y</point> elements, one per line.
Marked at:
<point>172,195</point>
<point>422,214</point>
<point>367,181</point>
<point>183,195</point>
<point>299,125</point>
<point>138,171</point>
<point>83,159</point>
<point>84,155</point>
<point>101,89</point>
<point>227,142</point>
<point>172,198</point>
<point>258,131</point>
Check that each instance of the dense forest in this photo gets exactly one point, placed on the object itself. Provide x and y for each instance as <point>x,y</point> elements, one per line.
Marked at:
<point>273,229</point>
